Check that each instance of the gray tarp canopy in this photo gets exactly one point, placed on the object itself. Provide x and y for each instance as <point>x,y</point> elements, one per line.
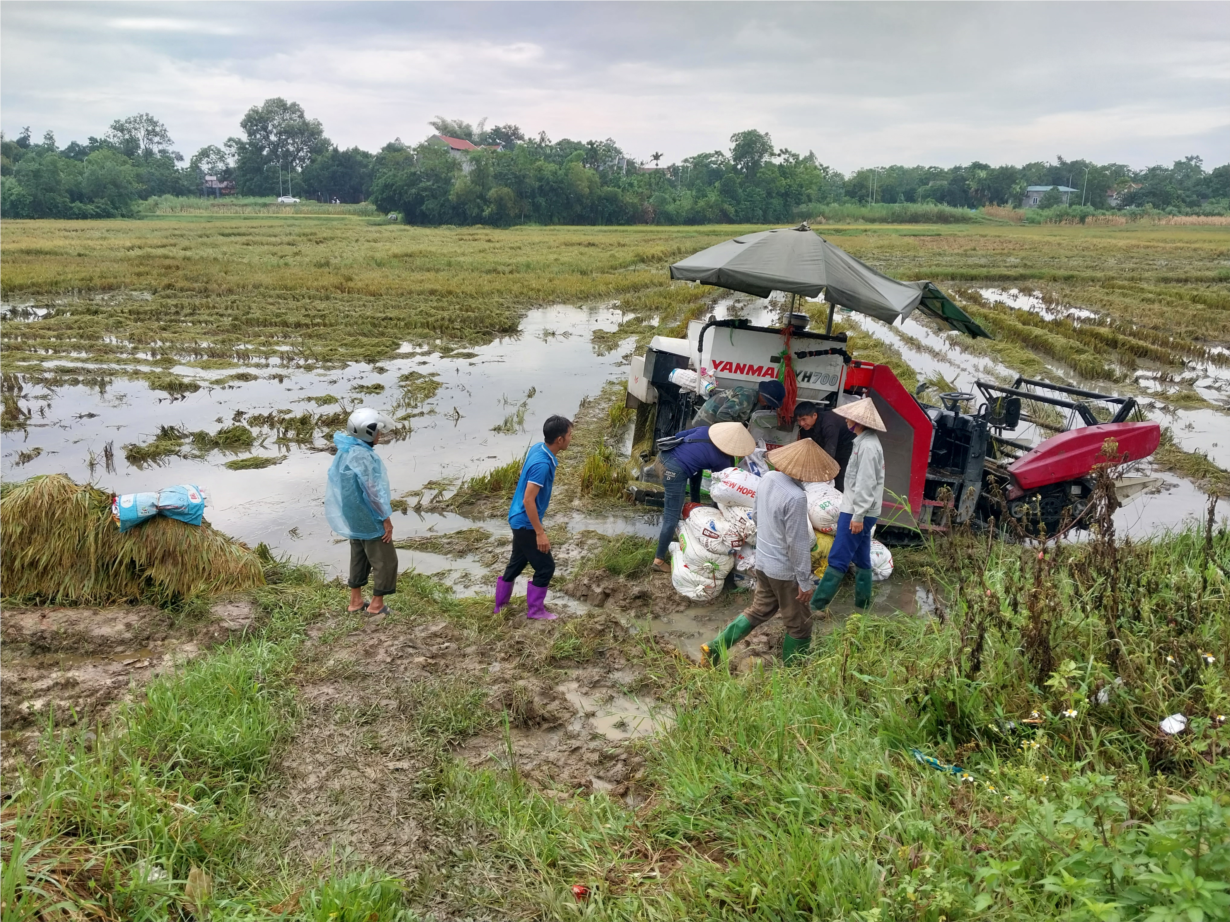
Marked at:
<point>798,261</point>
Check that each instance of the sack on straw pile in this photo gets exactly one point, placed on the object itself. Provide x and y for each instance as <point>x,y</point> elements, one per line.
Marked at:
<point>61,547</point>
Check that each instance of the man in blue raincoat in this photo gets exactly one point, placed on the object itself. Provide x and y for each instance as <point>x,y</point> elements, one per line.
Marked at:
<point>358,506</point>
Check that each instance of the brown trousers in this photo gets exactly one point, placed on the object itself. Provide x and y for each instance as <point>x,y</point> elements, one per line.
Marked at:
<point>779,595</point>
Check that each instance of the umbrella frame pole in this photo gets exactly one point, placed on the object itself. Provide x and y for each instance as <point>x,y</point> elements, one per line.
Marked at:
<point>828,328</point>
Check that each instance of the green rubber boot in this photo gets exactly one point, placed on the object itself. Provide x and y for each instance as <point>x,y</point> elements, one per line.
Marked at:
<point>715,650</point>
<point>793,649</point>
<point>829,584</point>
<point>862,589</point>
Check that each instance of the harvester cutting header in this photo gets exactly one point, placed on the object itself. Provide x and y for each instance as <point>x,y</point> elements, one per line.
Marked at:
<point>1009,449</point>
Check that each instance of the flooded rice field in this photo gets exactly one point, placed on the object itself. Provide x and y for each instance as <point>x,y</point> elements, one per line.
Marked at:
<point>487,409</point>
<point>463,413</point>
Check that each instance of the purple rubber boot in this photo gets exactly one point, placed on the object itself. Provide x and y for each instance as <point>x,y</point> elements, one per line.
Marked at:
<point>503,592</point>
<point>536,599</point>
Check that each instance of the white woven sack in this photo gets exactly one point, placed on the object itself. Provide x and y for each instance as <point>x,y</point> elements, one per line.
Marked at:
<point>740,519</point>
<point>712,531</point>
<point>694,552</point>
<point>881,561</point>
<point>745,559</point>
<point>823,507</point>
<point>737,488</point>
<point>700,583</point>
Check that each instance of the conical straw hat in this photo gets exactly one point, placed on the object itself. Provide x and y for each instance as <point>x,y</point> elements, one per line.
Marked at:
<point>732,438</point>
<point>804,460</point>
<point>863,412</point>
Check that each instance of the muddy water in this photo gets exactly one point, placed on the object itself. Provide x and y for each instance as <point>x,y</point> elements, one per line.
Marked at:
<point>615,715</point>
<point>284,505</point>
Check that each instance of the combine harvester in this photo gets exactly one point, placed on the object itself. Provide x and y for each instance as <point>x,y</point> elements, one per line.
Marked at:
<point>960,462</point>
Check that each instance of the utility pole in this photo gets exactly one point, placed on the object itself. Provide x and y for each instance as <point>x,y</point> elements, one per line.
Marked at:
<point>1085,186</point>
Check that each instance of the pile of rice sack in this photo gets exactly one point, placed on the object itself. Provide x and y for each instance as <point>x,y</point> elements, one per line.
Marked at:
<point>713,542</point>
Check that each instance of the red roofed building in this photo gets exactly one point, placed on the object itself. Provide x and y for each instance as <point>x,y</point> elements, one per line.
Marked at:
<point>460,148</point>
<point>456,145</point>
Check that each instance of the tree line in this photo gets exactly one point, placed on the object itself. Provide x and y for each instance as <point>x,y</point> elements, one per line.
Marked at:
<point>509,178</point>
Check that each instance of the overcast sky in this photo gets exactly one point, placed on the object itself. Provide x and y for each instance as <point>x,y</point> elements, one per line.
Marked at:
<point>860,84</point>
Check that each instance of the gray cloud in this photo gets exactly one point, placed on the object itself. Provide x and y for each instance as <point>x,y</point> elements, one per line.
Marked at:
<point>859,84</point>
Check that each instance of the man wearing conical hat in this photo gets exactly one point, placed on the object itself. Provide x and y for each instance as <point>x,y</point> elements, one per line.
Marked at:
<point>696,450</point>
<point>861,504</point>
<point>784,538</point>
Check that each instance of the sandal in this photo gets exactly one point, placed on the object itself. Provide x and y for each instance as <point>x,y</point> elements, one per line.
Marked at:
<point>662,567</point>
<point>385,610</point>
<point>355,611</point>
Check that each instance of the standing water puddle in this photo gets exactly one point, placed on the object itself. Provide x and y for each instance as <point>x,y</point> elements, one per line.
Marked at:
<point>615,715</point>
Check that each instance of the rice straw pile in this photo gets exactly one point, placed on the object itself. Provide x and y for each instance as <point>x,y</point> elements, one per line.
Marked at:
<point>59,545</point>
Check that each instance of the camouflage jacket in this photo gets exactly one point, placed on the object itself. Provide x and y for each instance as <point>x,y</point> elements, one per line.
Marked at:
<point>733,405</point>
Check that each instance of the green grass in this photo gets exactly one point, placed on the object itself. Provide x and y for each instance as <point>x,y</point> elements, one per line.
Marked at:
<point>110,821</point>
<point>890,214</point>
<point>161,205</point>
<point>232,438</point>
<point>164,788</point>
<point>333,291</point>
<point>1195,466</point>
<point>623,555</point>
<point>780,793</point>
<point>172,441</point>
<point>497,483</point>
<point>603,473</point>
<point>794,794</point>
<point>171,384</point>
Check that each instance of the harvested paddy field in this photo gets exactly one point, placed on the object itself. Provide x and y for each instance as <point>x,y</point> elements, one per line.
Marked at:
<point>442,762</point>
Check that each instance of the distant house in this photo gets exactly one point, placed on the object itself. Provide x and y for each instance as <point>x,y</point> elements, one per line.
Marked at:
<point>214,187</point>
<point>1114,198</point>
<point>1033,194</point>
<point>460,148</point>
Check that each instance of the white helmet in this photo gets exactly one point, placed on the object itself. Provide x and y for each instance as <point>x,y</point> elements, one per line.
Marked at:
<point>365,422</point>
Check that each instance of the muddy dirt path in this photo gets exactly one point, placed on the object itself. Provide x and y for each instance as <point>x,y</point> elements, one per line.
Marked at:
<point>389,701</point>
<point>76,663</point>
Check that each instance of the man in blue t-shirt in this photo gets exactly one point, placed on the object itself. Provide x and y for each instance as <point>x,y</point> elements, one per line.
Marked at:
<point>529,504</point>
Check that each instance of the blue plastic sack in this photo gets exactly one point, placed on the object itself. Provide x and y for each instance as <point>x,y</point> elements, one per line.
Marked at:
<point>357,496</point>
<point>132,509</point>
<point>184,502</point>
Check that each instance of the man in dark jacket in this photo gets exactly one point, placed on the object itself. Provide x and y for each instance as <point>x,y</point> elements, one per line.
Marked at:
<point>705,448</point>
<point>829,431</point>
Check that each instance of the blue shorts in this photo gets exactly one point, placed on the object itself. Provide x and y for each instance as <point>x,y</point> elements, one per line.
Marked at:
<point>850,548</point>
